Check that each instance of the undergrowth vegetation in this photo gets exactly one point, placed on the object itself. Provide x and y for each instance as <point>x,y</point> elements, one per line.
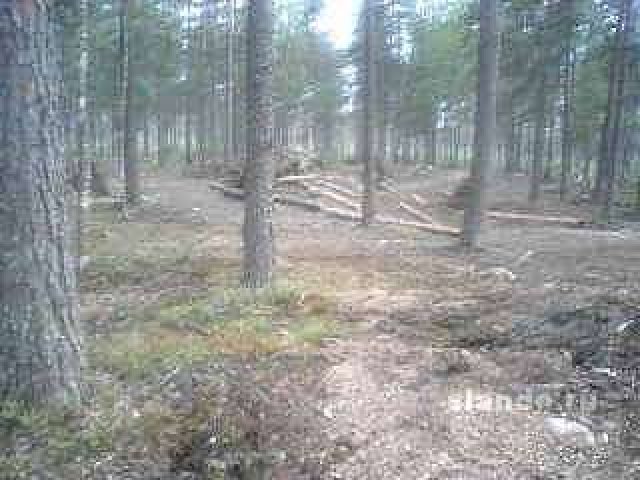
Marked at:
<point>172,304</point>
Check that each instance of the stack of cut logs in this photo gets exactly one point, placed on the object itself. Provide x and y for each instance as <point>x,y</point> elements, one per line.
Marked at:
<point>322,194</point>
<point>330,196</point>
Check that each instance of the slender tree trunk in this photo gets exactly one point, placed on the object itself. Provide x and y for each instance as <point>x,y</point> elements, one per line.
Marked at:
<point>566,162</point>
<point>259,172</point>
<point>40,349</point>
<point>188,110</point>
<point>381,98</point>
<point>434,146</point>
<point>146,136</point>
<point>82,126</point>
<point>229,141</point>
<point>131,177</point>
<point>368,95</point>
<point>518,148</point>
<point>615,108</point>
<point>456,147</point>
<point>510,146</point>
<point>485,121</point>
<point>548,168</point>
<point>538,142</point>
<point>188,134</point>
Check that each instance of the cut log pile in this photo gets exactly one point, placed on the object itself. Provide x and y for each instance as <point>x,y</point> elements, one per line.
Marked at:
<point>324,194</point>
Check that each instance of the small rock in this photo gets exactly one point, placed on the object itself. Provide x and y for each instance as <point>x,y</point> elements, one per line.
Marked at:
<point>566,431</point>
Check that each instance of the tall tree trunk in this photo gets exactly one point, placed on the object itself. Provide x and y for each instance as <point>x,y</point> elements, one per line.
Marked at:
<point>259,171</point>
<point>367,138</point>
<point>188,131</point>
<point>567,79</point>
<point>131,178</point>
<point>189,63</point>
<point>485,121</point>
<point>540,106</point>
<point>229,90</point>
<point>82,125</point>
<point>99,182</point>
<point>548,168</point>
<point>538,141</point>
<point>40,349</point>
<point>146,136</point>
<point>434,145</point>
<point>615,108</point>
<point>517,155</point>
<point>381,97</point>
<point>162,141</point>
<point>510,145</point>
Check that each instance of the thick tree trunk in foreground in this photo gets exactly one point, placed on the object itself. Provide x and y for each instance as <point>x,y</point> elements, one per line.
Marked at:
<point>485,128</point>
<point>259,171</point>
<point>39,346</point>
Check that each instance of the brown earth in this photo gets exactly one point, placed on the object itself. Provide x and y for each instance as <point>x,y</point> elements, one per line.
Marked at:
<point>423,326</point>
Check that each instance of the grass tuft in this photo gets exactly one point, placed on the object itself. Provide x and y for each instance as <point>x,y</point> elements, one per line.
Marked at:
<point>187,331</point>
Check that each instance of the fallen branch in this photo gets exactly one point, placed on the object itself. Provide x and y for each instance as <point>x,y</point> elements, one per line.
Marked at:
<point>387,187</point>
<point>317,207</point>
<point>419,200</point>
<point>338,188</point>
<point>294,179</point>
<point>332,195</point>
<point>423,217</point>
<point>427,227</point>
<point>231,192</point>
<point>524,217</point>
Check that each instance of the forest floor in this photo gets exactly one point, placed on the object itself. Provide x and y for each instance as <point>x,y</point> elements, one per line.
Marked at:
<point>381,353</point>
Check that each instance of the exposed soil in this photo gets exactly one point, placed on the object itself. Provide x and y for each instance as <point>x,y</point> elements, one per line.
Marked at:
<point>427,327</point>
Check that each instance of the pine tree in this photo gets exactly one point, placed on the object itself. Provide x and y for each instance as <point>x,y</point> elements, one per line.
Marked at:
<point>485,121</point>
<point>259,171</point>
<point>40,358</point>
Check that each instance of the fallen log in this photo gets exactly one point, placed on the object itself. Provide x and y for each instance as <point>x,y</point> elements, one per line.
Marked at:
<point>419,200</point>
<point>387,187</point>
<point>423,217</point>
<point>427,227</point>
<point>331,195</point>
<point>338,188</point>
<point>231,192</point>
<point>351,216</point>
<point>294,179</point>
<point>312,206</point>
<point>525,217</point>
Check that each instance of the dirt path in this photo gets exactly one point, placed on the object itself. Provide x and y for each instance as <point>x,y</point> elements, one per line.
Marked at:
<point>393,400</point>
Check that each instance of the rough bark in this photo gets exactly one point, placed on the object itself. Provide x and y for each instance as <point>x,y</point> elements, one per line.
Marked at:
<point>485,127</point>
<point>40,359</point>
<point>259,171</point>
